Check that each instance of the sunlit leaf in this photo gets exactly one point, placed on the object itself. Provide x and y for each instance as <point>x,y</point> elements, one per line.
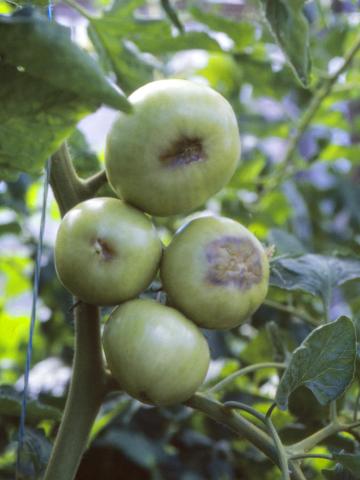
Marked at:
<point>70,70</point>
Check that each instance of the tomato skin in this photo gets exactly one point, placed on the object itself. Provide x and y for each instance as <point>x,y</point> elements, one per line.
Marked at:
<point>156,354</point>
<point>179,147</point>
<point>106,251</point>
<point>215,271</point>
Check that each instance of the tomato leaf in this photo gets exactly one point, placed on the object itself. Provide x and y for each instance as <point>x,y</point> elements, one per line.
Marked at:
<point>285,243</point>
<point>134,445</point>
<point>290,28</point>
<point>315,274</point>
<point>51,56</point>
<point>10,404</point>
<point>242,33</point>
<point>121,44</point>
<point>324,363</point>
<point>35,119</point>
<point>46,88</point>
<point>34,455</point>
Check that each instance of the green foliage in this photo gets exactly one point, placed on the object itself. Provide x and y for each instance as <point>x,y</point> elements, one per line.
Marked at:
<point>328,371</point>
<point>10,404</point>
<point>315,274</point>
<point>48,83</point>
<point>34,455</point>
<point>43,95</point>
<point>291,30</point>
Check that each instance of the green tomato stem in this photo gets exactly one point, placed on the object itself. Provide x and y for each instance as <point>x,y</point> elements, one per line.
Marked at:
<point>89,382</point>
<point>310,442</point>
<point>356,407</point>
<point>172,15</point>
<point>246,408</point>
<point>283,459</point>
<point>234,422</point>
<point>311,455</point>
<point>242,427</point>
<point>293,311</point>
<point>92,184</point>
<point>304,121</point>
<point>244,371</point>
<point>68,188</point>
<point>87,390</point>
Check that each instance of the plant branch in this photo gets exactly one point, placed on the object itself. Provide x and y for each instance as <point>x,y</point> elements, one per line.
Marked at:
<point>310,113</point>
<point>333,411</point>
<point>242,427</point>
<point>245,371</point>
<point>310,442</point>
<point>293,311</point>
<point>311,455</point>
<point>234,422</point>
<point>278,443</point>
<point>93,184</point>
<point>245,408</point>
<point>356,407</point>
<point>67,187</point>
<point>172,15</point>
<point>86,393</point>
<point>89,381</point>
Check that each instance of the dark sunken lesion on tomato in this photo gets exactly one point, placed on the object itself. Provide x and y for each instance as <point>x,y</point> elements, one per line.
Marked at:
<point>103,249</point>
<point>233,261</point>
<point>183,152</point>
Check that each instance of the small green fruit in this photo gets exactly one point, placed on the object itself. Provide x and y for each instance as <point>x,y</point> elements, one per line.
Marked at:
<point>106,251</point>
<point>216,272</point>
<point>179,147</point>
<point>157,355</point>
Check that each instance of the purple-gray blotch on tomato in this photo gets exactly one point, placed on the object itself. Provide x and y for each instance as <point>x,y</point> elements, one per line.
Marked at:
<point>216,272</point>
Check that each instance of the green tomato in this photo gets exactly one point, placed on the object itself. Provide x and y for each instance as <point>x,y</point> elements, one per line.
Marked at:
<point>216,272</point>
<point>157,355</point>
<point>106,251</point>
<point>178,148</point>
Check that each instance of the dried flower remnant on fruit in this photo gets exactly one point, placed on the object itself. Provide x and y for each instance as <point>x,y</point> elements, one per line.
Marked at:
<point>103,249</point>
<point>184,152</point>
<point>233,261</point>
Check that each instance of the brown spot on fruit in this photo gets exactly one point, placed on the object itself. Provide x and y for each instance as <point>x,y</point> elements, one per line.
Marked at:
<point>103,249</point>
<point>183,152</point>
<point>233,261</point>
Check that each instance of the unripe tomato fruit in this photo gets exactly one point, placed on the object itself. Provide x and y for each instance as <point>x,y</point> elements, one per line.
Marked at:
<point>179,146</point>
<point>157,355</point>
<point>106,252</point>
<point>216,272</point>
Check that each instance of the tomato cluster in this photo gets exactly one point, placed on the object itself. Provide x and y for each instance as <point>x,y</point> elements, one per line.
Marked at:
<point>179,147</point>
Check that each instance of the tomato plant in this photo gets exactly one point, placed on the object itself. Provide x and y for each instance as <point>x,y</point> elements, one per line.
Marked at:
<point>136,111</point>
